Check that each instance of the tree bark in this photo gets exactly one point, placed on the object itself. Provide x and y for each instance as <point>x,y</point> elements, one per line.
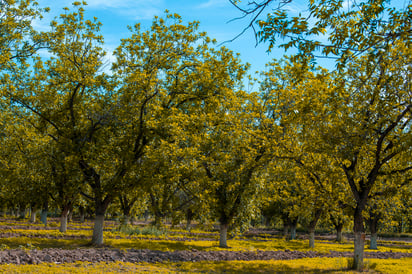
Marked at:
<point>43,214</point>
<point>33,214</point>
<point>146,215</point>
<point>223,236</point>
<point>374,241</point>
<point>373,226</point>
<point>339,232</point>
<point>97,238</point>
<point>312,237</point>
<point>63,220</point>
<point>285,229</point>
<point>100,210</point>
<point>189,216</point>
<point>312,226</point>
<point>22,214</point>
<point>81,210</point>
<point>158,220</point>
<point>126,206</point>
<point>293,224</point>
<point>359,243</point>
<point>70,215</point>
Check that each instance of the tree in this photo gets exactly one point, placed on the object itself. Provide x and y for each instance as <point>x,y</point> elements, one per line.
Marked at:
<point>380,143</point>
<point>285,195</point>
<point>315,179</point>
<point>65,180</point>
<point>385,203</point>
<point>61,94</point>
<point>233,152</point>
<point>400,213</point>
<point>18,40</point>
<point>365,38</point>
<point>363,124</point>
<point>171,79</point>
<point>170,177</point>
<point>22,163</point>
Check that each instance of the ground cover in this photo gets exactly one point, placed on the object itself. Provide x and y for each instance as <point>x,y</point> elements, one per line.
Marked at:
<point>311,265</point>
<point>31,248</point>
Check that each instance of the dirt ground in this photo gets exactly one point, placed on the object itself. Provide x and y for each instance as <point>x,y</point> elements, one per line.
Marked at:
<point>57,255</point>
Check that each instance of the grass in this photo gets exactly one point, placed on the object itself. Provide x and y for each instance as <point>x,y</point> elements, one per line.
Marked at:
<point>310,265</point>
<point>139,237</point>
<point>168,243</point>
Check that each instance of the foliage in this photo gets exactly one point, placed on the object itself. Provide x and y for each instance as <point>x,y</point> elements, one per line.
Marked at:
<point>18,40</point>
<point>363,119</point>
<point>171,129</point>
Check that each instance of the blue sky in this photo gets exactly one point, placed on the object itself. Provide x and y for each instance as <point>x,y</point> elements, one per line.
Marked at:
<point>213,15</point>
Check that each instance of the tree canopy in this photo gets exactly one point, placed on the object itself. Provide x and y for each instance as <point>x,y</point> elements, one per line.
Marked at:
<point>170,128</point>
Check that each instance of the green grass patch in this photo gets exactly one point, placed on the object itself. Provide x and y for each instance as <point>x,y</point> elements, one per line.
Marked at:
<point>40,243</point>
<point>310,265</point>
<point>164,243</point>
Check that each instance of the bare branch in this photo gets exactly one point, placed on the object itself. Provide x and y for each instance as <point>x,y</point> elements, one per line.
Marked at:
<point>255,11</point>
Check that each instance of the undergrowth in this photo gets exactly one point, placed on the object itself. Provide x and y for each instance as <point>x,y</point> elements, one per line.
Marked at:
<point>135,230</point>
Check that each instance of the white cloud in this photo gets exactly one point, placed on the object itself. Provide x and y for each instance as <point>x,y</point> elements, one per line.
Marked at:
<point>44,53</point>
<point>41,24</point>
<point>213,4</point>
<point>113,4</point>
<point>135,9</point>
<point>346,5</point>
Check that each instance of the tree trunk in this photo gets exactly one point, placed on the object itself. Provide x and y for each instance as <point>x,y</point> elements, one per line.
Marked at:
<point>97,238</point>
<point>70,215</point>
<point>22,213</point>
<point>125,220</point>
<point>293,225</point>
<point>63,220</point>
<point>359,243</point>
<point>43,214</point>
<point>158,220</point>
<point>81,210</point>
<point>339,227</point>
<point>373,226</point>
<point>100,207</point>
<point>189,216</point>
<point>156,209</point>
<point>339,237</point>
<point>312,237</point>
<point>146,215</point>
<point>223,235</point>
<point>312,225</point>
<point>359,250</point>
<point>285,229</point>
<point>33,214</point>
<point>43,217</point>
<point>126,207</point>
<point>374,241</point>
